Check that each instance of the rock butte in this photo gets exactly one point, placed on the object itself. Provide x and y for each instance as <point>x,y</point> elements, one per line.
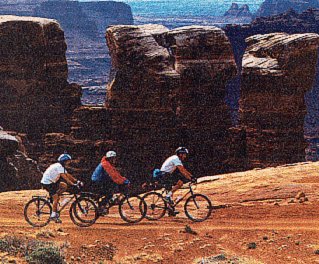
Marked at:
<point>167,90</point>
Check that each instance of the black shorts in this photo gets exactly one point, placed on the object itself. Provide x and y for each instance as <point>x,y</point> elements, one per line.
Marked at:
<point>170,180</point>
<point>51,188</point>
<point>103,188</point>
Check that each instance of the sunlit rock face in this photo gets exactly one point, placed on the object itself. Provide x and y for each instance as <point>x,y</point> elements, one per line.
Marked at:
<point>35,95</point>
<point>181,72</point>
<point>18,171</point>
<point>277,70</point>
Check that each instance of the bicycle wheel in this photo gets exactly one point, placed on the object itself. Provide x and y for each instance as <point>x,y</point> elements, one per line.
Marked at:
<point>198,207</point>
<point>37,212</point>
<point>132,209</point>
<point>156,206</point>
<point>83,212</point>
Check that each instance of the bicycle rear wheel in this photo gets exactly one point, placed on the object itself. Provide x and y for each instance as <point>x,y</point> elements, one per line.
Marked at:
<point>198,207</point>
<point>132,209</point>
<point>83,212</point>
<point>156,206</point>
<point>37,212</point>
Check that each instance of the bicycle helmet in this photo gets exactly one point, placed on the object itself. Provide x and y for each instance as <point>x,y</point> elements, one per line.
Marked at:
<point>110,154</point>
<point>64,157</point>
<point>181,150</point>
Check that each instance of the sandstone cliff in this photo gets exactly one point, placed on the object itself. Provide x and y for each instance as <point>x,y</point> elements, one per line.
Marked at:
<point>18,171</point>
<point>168,90</point>
<point>84,24</point>
<point>277,70</point>
<point>35,95</point>
<point>275,7</point>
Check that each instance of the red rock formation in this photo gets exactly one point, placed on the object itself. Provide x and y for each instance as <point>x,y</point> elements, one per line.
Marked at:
<point>18,171</point>
<point>278,69</point>
<point>177,75</point>
<point>35,95</point>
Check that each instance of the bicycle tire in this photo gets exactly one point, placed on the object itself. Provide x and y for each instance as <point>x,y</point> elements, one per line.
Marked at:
<point>205,203</point>
<point>151,207</point>
<point>138,211</point>
<point>79,218</point>
<point>37,202</point>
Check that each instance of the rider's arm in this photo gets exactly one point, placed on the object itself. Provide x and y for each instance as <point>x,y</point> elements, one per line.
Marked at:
<point>185,172</point>
<point>68,178</point>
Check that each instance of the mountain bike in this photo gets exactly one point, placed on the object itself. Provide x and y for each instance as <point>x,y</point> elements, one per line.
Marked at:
<point>132,208</point>
<point>197,207</point>
<point>83,210</point>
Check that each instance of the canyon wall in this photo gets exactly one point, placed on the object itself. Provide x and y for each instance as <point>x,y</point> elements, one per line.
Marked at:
<point>84,24</point>
<point>275,7</point>
<point>35,95</point>
<point>277,70</point>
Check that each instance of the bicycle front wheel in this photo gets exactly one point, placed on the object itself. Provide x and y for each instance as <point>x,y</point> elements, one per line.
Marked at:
<point>132,209</point>
<point>156,206</point>
<point>37,212</point>
<point>198,207</point>
<point>83,212</point>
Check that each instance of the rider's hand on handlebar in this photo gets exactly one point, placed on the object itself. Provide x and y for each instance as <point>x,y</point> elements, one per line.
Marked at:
<point>79,184</point>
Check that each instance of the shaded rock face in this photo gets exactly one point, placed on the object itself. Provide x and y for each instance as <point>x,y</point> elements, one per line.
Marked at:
<point>275,7</point>
<point>84,24</point>
<point>236,11</point>
<point>35,95</point>
<point>18,171</point>
<point>277,70</point>
<point>177,76</point>
<point>290,22</point>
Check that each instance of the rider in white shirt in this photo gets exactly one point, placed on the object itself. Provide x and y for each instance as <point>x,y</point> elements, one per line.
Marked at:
<point>174,172</point>
<point>55,180</point>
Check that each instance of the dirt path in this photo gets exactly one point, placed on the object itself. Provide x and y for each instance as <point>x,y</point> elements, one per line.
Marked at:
<point>264,223</point>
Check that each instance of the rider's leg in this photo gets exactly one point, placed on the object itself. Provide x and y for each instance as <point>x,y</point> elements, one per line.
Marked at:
<point>56,197</point>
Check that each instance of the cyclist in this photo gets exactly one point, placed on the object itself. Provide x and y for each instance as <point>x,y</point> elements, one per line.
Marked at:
<point>106,178</point>
<point>55,180</point>
<point>174,174</point>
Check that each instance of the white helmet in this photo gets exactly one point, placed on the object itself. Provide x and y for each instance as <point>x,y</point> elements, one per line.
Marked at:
<point>110,154</point>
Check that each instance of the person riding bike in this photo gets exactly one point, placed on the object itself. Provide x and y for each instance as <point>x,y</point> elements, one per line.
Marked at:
<point>174,174</point>
<point>106,179</point>
<point>55,180</point>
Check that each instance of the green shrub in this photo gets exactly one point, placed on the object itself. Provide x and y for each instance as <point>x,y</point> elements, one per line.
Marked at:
<point>46,255</point>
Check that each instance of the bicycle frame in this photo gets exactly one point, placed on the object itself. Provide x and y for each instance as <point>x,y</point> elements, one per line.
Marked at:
<point>190,191</point>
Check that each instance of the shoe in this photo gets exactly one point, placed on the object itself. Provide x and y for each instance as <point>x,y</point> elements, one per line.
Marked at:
<point>56,219</point>
<point>103,211</point>
<point>173,212</point>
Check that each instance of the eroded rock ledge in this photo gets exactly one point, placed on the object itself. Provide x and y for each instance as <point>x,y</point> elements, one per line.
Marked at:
<point>277,70</point>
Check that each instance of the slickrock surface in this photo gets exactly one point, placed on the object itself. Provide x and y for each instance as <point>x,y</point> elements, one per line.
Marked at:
<point>18,171</point>
<point>278,69</point>
<point>35,95</point>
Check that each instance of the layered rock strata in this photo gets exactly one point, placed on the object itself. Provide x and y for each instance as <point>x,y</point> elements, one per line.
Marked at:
<point>18,171</point>
<point>35,95</point>
<point>278,69</point>
<point>275,7</point>
<point>181,74</point>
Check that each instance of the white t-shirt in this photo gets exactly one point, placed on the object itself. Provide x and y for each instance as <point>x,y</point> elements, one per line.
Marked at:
<point>171,163</point>
<point>52,174</point>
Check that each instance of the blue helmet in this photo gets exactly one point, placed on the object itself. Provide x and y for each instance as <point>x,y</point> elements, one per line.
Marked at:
<point>64,157</point>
